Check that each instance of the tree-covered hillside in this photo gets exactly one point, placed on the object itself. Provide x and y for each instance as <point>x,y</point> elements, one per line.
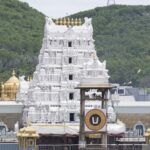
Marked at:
<point>121,33</point>
<point>21,32</point>
<point>122,37</point>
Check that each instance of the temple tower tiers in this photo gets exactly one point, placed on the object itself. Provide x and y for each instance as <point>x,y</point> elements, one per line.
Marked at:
<point>66,49</point>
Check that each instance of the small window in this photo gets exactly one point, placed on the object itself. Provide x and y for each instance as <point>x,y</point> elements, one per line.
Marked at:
<point>69,44</point>
<point>50,42</point>
<point>72,118</point>
<point>61,42</point>
<point>79,42</point>
<point>70,60</point>
<point>70,77</point>
<point>121,91</point>
<point>71,96</point>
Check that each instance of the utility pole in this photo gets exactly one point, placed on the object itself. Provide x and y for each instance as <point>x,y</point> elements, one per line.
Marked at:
<point>111,2</point>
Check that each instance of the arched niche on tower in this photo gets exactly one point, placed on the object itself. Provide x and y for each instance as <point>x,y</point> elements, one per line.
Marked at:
<point>139,128</point>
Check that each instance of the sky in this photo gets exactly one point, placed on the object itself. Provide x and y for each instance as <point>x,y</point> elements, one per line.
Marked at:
<point>61,8</point>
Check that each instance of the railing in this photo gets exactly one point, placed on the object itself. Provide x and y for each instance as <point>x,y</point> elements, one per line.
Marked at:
<point>14,146</point>
<point>8,146</point>
<point>58,147</point>
<point>96,147</point>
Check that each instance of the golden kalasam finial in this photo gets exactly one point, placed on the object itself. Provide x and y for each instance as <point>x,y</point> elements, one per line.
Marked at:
<point>57,22</point>
<point>68,21</point>
<point>80,22</point>
<point>76,22</point>
<point>64,21</point>
<point>72,22</point>
<point>60,22</point>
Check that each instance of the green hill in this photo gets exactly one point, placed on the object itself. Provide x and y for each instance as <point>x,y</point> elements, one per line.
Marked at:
<point>121,33</point>
<point>21,33</point>
<point>122,37</point>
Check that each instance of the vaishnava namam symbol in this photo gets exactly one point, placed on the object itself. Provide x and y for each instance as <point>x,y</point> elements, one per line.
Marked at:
<point>95,119</point>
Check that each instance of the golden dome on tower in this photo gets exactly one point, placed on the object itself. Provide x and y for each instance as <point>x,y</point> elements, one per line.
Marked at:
<point>12,80</point>
<point>11,86</point>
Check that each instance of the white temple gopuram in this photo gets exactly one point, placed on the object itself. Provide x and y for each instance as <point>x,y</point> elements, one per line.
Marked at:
<point>67,54</point>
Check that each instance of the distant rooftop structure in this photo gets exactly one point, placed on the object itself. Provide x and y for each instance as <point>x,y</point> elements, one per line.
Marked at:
<point>111,2</point>
<point>139,94</point>
<point>128,99</point>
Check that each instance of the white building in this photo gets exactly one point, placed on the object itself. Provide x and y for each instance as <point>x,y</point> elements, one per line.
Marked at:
<point>66,50</point>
